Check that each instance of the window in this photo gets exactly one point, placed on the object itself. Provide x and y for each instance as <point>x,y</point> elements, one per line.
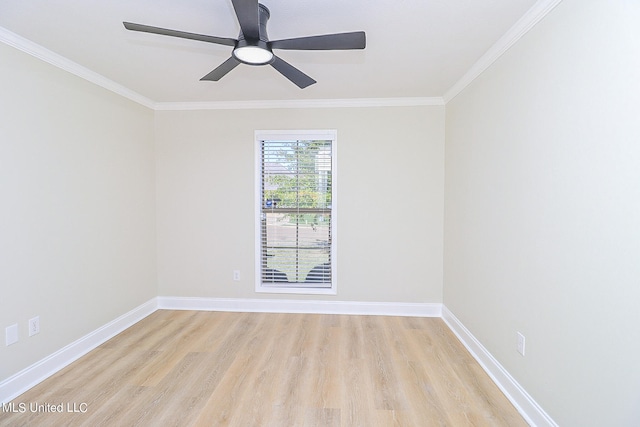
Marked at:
<point>295,211</point>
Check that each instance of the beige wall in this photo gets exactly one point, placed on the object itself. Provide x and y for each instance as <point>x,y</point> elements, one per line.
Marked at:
<point>77,243</point>
<point>390,200</point>
<point>542,211</point>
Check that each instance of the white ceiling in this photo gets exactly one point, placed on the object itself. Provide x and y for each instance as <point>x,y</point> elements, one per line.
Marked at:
<point>415,48</point>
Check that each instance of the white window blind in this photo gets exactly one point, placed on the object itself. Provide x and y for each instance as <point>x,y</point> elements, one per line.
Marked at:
<point>296,213</point>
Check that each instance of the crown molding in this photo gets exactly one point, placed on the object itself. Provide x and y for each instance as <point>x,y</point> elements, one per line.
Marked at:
<point>534,15</point>
<point>300,103</point>
<point>27,46</point>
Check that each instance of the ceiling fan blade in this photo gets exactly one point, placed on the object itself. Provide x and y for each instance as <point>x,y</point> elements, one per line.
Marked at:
<point>354,40</point>
<point>174,33</point>
<point>292,73</point>
<point>248,17</point>
<point>222,70</point>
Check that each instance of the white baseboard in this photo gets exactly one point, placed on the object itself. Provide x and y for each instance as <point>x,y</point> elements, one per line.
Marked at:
<point>528,408</point>
<point>17,384</point>
<point>22,381</point>
<point>301,306</point>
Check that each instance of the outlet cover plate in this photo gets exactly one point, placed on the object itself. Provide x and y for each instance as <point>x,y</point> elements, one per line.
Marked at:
<point>34,326</point>
<point>521,343</point>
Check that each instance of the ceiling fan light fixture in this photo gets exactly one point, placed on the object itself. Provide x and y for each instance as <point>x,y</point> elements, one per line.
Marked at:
<point>253,55</point>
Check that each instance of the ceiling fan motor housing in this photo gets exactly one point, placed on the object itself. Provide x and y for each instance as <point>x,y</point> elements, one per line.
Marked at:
<point>262,42</point>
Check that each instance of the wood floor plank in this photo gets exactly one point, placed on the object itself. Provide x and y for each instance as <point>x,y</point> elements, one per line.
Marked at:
<point>425,405</point>
<point>187,368</point>
<point>388,391</point>
<point>357,407</point>
<point>322,417</point>
<point>235,385</point>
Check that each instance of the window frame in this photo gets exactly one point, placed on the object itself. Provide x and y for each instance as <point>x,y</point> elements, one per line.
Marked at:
<point>294,135</point>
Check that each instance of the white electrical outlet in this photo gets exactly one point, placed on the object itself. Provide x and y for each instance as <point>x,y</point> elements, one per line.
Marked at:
<point>236,275</point>
<point>520,343</point>
<point>11,334</point>
<point>34,326</point>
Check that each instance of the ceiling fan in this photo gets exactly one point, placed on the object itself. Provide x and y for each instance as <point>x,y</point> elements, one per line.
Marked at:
<point>253,47</point>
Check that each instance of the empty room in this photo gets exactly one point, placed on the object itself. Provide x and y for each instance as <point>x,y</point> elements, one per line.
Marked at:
<point>390,213</point>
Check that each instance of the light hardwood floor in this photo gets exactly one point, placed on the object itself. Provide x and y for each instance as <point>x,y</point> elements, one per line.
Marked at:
<point>189,368</point>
